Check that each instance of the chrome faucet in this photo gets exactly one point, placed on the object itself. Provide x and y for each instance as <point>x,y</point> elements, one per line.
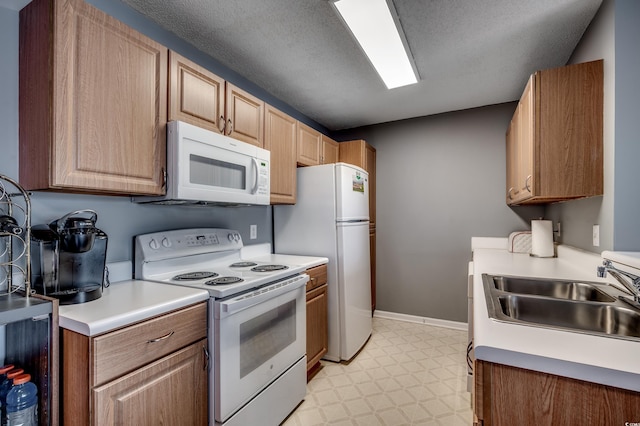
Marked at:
<point>633,287</point>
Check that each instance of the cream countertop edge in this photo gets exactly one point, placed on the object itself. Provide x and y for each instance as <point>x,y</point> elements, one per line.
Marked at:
<point>124,303</point>
<point>262,253</point>
<point>603,360</point>
<point>289,259</point>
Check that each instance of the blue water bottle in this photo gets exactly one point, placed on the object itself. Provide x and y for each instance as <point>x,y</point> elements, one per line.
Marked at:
<point>3,376</point>
<point>5,387</point>
<point>22,402</point>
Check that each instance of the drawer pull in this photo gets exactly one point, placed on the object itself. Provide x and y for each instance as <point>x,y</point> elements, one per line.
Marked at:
<point>206,357</point>
<point>166,336</point>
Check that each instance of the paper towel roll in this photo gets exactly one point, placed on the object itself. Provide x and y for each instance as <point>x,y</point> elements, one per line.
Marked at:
<point>542,238</point>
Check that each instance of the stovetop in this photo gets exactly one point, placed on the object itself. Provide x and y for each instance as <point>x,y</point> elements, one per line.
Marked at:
<point>204,258</point>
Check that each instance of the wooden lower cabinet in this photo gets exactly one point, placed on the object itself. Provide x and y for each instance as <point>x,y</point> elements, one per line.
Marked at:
<point>317,318</point>
<point>507,396</point>
<point>151,373</point>
<point>171,391</point>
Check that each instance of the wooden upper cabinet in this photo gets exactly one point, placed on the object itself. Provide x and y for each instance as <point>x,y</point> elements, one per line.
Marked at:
<point>93,102</point>
<point>245,116</point>
<point>200,97</point>
<point>520,144</point>
<point>280,138</point>
<point>309,145</point>
<point>196,95</point>
<point>554,141</point>
<point>330,150</point>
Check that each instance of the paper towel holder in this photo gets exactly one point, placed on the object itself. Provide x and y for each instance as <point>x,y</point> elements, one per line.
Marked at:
<point>542,244</point>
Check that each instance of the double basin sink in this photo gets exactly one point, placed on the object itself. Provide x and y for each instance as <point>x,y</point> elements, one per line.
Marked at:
<point>584,307</point>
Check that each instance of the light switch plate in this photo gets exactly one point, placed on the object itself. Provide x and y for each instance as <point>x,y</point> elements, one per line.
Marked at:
<point>596,235</point>
<point>253,232</point>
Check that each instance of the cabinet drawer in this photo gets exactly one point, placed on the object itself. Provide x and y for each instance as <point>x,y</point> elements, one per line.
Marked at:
<point>124,350</point>
<point>317,276</point>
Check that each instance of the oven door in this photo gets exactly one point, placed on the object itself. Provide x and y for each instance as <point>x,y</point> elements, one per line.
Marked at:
<point>258,336</point>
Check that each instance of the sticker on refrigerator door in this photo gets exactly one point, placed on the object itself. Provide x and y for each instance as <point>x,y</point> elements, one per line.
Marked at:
<point>358,182</point>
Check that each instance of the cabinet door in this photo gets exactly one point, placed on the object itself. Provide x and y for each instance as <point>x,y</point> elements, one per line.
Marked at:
<point>514,396</point>
<point>309,142</point>
<point>245,116</point>
<point>317,328</point>
<point>512,160</point>
<point>370,167</point>
<point>108,99</point>
<point>280,139</point>
<point>196,95</point>
<point>330,150</point>
<point>352,152</point>
<point>520,148</point>
<point>526,120</point>
<point>170,391</point>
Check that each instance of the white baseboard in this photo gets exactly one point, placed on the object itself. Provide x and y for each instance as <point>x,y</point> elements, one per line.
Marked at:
<point>421,320</point>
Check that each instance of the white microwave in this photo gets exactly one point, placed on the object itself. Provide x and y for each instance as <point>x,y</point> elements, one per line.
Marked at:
<point>205,167</point>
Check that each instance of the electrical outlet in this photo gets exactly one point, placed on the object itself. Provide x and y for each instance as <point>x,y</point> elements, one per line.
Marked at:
<point>253,232</point>
<point>596,235</point>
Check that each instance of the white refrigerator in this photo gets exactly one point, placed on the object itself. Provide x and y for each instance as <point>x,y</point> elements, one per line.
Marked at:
<point>331,219</point>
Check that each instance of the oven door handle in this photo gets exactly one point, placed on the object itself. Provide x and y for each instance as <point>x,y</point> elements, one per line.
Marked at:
<point>260,295</point>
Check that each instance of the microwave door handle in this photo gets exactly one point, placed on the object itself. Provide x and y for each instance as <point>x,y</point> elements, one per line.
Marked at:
<point>255,170</point>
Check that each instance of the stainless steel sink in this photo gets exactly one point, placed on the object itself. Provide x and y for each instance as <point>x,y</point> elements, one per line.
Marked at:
<point>600,318</point>
<point>584,307</point>
<point>560,289</point>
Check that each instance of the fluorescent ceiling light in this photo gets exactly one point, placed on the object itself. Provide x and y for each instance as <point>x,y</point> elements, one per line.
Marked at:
<point>376,27</point>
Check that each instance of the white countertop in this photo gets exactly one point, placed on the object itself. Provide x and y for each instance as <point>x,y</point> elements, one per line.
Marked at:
<point>598,359</point>
<point>262,253</point>
<point>124,303</point>
<point>130,301</point>
<point>288,259</point>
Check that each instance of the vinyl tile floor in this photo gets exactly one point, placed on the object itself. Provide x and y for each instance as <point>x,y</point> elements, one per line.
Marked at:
<point>406,374</point>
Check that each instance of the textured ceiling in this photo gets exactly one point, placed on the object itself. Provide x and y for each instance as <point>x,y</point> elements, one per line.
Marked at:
<point>468,53</point>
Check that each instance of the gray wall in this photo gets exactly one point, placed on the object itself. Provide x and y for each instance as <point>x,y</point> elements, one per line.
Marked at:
<point>627,142</point>
<point>117,216</point>
<point>440,181</point>
<point>613,36</point>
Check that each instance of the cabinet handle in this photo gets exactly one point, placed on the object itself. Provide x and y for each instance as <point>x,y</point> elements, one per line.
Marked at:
<point>206,357</point>
<point>527,183</point>
<point>164,177</point>
<point>221,125</point>
<point>166,336</point>
<point>230,126</point>
<point>509,193</point>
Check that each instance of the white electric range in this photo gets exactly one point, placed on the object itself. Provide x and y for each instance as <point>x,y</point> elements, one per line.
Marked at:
<point>257,320</point>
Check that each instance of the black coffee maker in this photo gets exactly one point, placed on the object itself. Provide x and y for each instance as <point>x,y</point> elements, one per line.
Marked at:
<point>68,258</point>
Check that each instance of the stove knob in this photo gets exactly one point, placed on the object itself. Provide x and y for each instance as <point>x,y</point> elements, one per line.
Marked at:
<point>154,244</point>
<point>230,237</point>
<point>236,237</point>
<point>166,242</point>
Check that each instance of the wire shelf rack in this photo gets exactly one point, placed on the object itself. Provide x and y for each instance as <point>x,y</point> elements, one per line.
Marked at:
<point>15,238</point>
